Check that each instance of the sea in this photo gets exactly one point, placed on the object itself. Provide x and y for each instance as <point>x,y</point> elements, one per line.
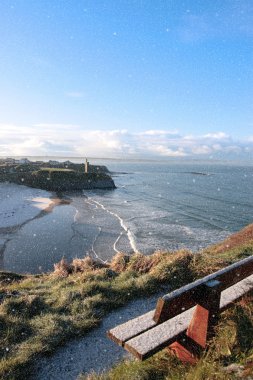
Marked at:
<point>157,206</point>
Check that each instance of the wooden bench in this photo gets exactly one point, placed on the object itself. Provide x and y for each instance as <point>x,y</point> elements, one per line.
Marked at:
<point>185,319</point>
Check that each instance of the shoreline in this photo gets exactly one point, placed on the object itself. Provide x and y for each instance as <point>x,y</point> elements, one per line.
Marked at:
<point>88,226</point>
<point>53,202</point>
<point>43,204</point>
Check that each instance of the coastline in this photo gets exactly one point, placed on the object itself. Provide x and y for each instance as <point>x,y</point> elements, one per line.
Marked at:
<point>168,210</point>
<point>53,202</point>
<point>36,244</point>
<point>37,204</point>
<point>46,208</point>
<point>19,203</point>
<point>44,205</point>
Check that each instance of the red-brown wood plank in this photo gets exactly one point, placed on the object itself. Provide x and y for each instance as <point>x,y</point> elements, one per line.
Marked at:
<point>184,298</point>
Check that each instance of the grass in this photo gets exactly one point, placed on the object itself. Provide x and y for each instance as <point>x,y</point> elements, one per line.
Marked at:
<point>51,170</point>
<point>39,313</point>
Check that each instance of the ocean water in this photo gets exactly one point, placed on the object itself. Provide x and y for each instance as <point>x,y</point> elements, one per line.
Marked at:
<point>156,206</point>
<point>176,205</point>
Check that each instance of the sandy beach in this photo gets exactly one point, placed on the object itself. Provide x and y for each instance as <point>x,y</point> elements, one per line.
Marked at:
<point>34,234</point>
<point>20,205</point>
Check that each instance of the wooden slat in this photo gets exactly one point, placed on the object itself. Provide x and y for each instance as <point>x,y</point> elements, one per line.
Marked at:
<point>121,333</point>
<point>184,298</point>
<point>161,335</point>
<point>236,292</point>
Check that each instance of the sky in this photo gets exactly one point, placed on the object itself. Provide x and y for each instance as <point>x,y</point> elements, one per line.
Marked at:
<point>127,78</point>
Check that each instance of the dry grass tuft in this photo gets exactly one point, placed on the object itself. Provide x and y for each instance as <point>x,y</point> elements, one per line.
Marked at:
<point>86,264</point>
<point>119,262</point>
<point>143,264</point>
<point>62,269</point>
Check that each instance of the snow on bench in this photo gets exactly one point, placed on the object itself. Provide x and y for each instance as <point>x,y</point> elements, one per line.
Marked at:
<point>185,319</point>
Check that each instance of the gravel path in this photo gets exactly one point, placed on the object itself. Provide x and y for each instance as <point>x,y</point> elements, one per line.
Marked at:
<point>94,352</point>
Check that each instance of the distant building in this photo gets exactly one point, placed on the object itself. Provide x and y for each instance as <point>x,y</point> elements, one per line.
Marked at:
<point>86,166</point>
<point>10,161</point>
<point>24,161</point>
<point>53,163</point>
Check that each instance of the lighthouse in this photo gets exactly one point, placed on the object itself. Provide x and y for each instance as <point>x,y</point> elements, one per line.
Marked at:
<point>86,166</point>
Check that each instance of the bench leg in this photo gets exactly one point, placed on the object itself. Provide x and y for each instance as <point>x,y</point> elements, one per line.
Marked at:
<point>202,326</point>
<point>182,353</point>
<point>186,349</point>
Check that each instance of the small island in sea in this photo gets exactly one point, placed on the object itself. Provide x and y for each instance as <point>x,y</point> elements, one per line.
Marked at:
<point>54,175</point>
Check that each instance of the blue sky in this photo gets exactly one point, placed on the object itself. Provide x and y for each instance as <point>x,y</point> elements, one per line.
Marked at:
<point>164,78</point>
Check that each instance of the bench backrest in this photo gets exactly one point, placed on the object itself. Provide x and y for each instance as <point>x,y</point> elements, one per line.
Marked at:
<point>186,297</point>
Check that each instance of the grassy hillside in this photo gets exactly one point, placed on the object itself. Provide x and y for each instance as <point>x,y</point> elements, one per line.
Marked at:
<point>39,313</point>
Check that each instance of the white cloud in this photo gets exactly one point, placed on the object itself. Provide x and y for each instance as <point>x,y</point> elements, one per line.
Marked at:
<point>74,140</point>
<point>52,126</point>
<point>158,132</point>
<point>217,136</point>
<point>217,147</point>
<point>167,152</point>
<point>233,149</point>
<point>202,149</point>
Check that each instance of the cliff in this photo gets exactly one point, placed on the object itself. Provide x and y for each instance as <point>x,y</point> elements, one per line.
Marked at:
<point>59,179</point>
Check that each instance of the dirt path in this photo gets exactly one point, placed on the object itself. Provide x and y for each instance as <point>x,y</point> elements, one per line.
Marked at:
<point>93,352</point>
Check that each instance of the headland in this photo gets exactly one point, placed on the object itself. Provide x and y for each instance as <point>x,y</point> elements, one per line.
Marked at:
<point>54,175</point>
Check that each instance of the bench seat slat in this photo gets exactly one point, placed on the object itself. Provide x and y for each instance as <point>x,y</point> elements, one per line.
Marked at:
<point>151,341</point>
<point>133,327</point>
<point>236,291</point>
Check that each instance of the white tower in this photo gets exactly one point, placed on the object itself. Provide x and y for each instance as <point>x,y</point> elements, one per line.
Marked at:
<point>86,165</point>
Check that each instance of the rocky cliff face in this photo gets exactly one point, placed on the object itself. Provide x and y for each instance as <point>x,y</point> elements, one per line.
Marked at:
<point>105,184</point>
<point>62,180</point>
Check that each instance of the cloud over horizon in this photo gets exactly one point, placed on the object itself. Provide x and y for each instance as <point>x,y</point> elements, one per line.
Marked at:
<point>74,140</point>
